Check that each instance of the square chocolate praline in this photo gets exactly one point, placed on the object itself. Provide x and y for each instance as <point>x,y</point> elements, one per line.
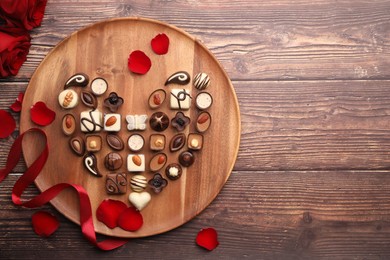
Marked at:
<point>116,183</point>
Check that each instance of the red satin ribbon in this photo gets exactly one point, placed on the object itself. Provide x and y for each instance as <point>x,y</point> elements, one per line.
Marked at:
<point>28,178</point>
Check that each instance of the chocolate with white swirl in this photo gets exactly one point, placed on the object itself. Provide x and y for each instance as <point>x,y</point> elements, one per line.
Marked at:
<point>138,183</point>
<point>116,183</point>
<point>77,80</point>
<point>201,81</point>
<point>180,77</point>
<point>90,162</point>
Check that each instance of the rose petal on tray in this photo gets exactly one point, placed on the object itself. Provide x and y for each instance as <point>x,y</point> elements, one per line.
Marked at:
<point>41,114</point>
<point>109,210</point>
<point>17,105</point>
<point>7,123</point>
<point>139,62</point>
<point>207,238</point>
<point>160,44</point>
<point>44,223</point>
<point>130,219</point>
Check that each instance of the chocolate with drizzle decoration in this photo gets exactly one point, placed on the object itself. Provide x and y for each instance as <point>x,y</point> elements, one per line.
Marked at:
<point>77,80</point>
<point>90,162</point>
<point>159,121</point>
<point>180,77</point>
<point>181,96</point>
<point>92,121</point>
<point>201,81</point>
<point>116,183</point>
<point>113,102</point>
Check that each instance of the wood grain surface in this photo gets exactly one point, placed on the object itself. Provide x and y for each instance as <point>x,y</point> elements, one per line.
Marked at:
<point>313,171</point>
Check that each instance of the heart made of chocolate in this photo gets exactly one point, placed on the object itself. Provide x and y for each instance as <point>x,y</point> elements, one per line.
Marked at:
<point>140,199</point>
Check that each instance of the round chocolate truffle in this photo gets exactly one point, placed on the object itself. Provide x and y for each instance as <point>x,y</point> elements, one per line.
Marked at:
<point>113,161</point>
<point>159,121</point>
<point>186,158</point>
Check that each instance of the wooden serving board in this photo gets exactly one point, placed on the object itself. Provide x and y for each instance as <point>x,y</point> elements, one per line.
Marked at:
<point>102,50</point>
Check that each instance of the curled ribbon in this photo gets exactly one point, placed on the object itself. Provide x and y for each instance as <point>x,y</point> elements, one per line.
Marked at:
<point>28,178</point>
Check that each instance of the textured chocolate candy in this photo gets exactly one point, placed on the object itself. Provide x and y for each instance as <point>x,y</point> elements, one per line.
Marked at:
<point>180,77</point>
<point>116,183</point>
<point>159,121</point>
<point>115,142</point>
<point>90,162</point>
<point>157,183</point>
<point>113,102</point>
<point>113,161</point>
<point>186,158</point>
<point>68,99</point>
<point>77,145</point>
<point>77,80</point>
<point>138,183</point>
<point>177,142</point>
<point>173,171</point>
<point>201,81</point>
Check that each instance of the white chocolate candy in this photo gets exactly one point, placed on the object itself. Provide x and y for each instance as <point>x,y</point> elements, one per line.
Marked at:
<point>68,98</point>
<point>99,86</point>
<point>136,122</point>
<point>112,122</point>
<point>91,121</point>
<point>136,142</point>
<point>138,183</point>
<point>136,163</point>
<point>203,100</point>
<point>180,99</point>
<point>140,199</point>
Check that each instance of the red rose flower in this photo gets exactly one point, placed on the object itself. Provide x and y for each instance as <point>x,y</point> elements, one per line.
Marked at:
<point>14,47</point>
<point>22,13</point>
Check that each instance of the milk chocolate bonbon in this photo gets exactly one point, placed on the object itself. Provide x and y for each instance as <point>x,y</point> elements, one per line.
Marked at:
<point>157,142</point>
<point>77,145</point>
<point>177,142</point>
<point>88,99</point>
<point>116,183</point>
<point>68,124</point>
<point>203,122</point>
<point>157,98</point>
<point>77,80</point>
<point>180,77</point>
<point>113,161</point>
<point>157,162</point>
<point>90,162</point>
<point>159,121</point>
<point>173,171</point>
<point>195,141</point>
<point>186,158</point>
<point>93,143</point>
<point>115,142</point>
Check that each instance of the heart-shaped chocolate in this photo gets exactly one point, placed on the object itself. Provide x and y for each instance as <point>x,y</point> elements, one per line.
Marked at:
<point>139,199</point>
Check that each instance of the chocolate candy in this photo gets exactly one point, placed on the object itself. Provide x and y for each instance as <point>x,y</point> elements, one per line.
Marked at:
<point>77,80</point>
<point>195,142</point>
<point>136,163</point>
<point>112,122</point>
<point>173,171</point>
<point>157,162</point>
<point>91,121</point>
<point>157,183</point>
<point>88,99</point>
<point>113,161</point>
<point>68,99</point>
<point>113,102</point>
<point>136,122</point>
<point>93,143</point>
<point>157,98</point>
<point>157,142</point>
<point>201,81</point>
<point>77,145</point>
<point>138,183</point>
<point>186,158</point>
<point>116,183</point>
<point>180,121</point>
<point>180,77</point>
<point>99,86</point>
<point>90,162</point>
<point>115,142</point>
<point>203,100</point>
<point>140,199</point>
<point>159,121</point>
<point>180,99</point>
<point>68,124</point>
<point>203,122</point>
<point>136,142</point>
<point>177,142</point>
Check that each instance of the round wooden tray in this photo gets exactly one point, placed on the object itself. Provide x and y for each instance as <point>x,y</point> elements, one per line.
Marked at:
<point>102,50</point>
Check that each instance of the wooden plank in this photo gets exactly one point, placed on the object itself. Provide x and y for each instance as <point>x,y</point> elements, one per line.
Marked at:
<point>273,214</point>
<point>252,39</point>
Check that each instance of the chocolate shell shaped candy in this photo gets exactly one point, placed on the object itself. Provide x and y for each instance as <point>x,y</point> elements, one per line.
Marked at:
<point>203,100</point>
<point>203,122</point>
<point>180,121</point>
<point>90,162</point>
<point>113,102</point>
<point>115,142</point>
<point>157,98</point>
<point>113,161</point>
<point>173,171</point>
<point>68,124</point>
<point>99,86</point>
<point>159,121</point>
<point>201,81</point>
<point>180,77</point>
<point>88,99</point>
<point>116,183</point>
<point>77,80</point>
<point>157,183</point>
<point>186,158</point>
<point>177,142</point>
<point>77,145</point>
<point>158,162</point>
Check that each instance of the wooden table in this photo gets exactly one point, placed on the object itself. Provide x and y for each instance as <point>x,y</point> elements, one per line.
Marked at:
<point>312,178</point>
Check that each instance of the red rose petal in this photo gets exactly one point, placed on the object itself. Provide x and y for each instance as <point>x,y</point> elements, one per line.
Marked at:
<point>131,219</point>
<point>17,105</point>
<point>138,62</point>
<point>207,238</point>
<point>109,210</point>
<point>160,44</point>
<point>7,124</point>
<point>44,223</point>
<point>41,114</point>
